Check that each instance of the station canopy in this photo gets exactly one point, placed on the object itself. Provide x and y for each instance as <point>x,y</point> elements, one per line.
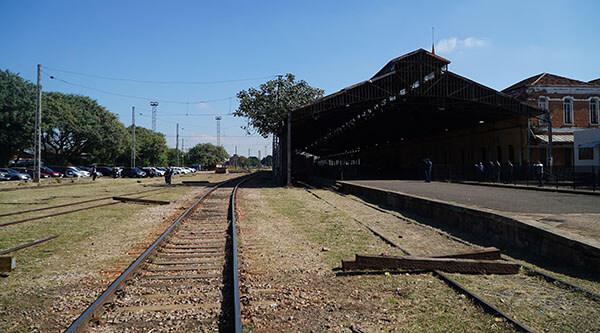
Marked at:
<point>411,98</point>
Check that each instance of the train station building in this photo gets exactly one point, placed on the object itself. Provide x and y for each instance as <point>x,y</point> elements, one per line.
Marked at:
<point>412,108</point>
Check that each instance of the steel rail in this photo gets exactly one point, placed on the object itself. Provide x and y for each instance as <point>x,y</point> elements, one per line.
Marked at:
<point>530,269</point>
<point>63,213</point>
<point>57,214</point>
<point>74,203</point>
<point>16,248</point>
<point>452,283</point>
<point>237,311</point>
<point>79,324</point>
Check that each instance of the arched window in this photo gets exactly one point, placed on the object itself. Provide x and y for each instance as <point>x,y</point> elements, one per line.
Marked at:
<point>568,111</point>
<point>594,106</point>
<point>543,104</point>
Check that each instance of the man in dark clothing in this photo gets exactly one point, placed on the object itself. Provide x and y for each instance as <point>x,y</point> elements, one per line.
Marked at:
<point>94,173</point>
<point>539,172</point>
<point>168,175</point>
<point>428,167</point>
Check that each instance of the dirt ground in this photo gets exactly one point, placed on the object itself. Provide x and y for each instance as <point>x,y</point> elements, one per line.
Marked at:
<point>291,244</point>
<point>55,281</point>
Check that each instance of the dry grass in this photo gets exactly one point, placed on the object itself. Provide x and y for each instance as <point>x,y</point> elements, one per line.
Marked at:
<point>290,283</point>
<point>54,281</point>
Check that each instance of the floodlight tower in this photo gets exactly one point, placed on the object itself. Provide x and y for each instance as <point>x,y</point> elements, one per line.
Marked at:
<point>154,105</point>
<point>218,119</point>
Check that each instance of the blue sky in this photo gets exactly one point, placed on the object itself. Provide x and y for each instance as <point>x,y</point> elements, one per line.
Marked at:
<point>330,44</point>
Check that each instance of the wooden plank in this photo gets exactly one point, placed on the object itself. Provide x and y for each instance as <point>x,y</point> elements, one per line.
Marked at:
<point>195,182</point>
<point>488,253</point>
<point>144,201</point>
<point>451,265</point>
<point>7,263</point>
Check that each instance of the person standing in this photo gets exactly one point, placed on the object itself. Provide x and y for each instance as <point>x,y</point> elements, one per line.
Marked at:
<point>94,173</point>
<point>539,172</point>
<point>428,167</point>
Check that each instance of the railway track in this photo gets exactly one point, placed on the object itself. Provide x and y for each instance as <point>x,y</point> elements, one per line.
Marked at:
<point>185,281</point>
<point>70,205</point>
<point>450,279</point>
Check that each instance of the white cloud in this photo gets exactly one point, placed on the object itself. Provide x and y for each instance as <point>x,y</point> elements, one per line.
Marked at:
<point>448,45</point>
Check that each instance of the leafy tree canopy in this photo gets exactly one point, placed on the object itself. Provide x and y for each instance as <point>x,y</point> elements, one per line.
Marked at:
<point>267,160</point>
<point>254,162</point>
<point>207,155</point>
<point>172,157</point>
<point>150,147</point>
<point>17,115</point>
<point>75,125</point>
<point>267,107</point>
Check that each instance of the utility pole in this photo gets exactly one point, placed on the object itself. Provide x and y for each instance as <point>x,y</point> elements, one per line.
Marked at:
<point>133,136</point>
<point>289,149</point>
<point>177,146</point>
<point>154,105</point>
<point>550,162</point>
<point>259,164</point>
<point>37,149</point>
<point>182,153</point>
<point>236,157</point>
<point>218,119</point>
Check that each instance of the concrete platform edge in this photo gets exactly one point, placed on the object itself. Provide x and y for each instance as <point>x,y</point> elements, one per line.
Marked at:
<point>498,230</point>
<point>532,188</point>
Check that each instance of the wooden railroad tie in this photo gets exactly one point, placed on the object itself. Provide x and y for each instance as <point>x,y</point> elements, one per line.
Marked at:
<point>142,201</point>
<point>7,263</point>
<point>194,182</point>
<point>475,262</point>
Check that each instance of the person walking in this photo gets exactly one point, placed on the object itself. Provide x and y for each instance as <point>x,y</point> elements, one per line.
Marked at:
<point>168,175</point>
<point>94,173</point>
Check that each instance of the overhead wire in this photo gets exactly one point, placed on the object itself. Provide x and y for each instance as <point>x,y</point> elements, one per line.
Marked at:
<point>52,77</point>
<point>160,82</point>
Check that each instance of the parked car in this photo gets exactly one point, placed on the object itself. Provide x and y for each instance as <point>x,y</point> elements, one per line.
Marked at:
<point>107,171</point>
<point>149,172</point>
<point>30,172</point>
<point>15,175</point>
<point>49,171</point>
<point>4,176</point>
<point>67,172</point>
<point>133,173</point>
<point>159,171</point>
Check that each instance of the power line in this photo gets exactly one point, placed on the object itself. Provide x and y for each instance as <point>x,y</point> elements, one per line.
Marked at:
<point>160,82</point>
<point>136,97</point>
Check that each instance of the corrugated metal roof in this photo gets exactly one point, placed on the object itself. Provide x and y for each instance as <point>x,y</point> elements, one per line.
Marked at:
<point>556,138</point>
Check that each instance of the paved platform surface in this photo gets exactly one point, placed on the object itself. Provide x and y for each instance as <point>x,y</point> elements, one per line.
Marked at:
<point>504,199</point>
<point>565,213</point>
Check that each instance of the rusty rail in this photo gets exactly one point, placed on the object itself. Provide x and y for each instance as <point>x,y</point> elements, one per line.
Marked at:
<point>17,248</point>
<point>455,285</point>
<point>80,323</point>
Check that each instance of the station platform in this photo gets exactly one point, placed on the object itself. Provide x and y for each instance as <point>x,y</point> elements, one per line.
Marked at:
<point>554,223</point>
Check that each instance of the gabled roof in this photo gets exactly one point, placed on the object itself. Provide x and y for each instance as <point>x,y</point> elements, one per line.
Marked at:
<point>596,81</point>
<point>547,79</point>
<point>414,56</point>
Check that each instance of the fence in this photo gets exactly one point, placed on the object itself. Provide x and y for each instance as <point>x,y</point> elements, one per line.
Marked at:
<point>582,177</point>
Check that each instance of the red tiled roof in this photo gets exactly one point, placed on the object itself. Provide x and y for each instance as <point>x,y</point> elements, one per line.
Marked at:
<point>546,79</point>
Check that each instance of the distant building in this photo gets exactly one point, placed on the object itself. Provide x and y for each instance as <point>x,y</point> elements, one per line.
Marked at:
<point>587,149</point>
<point>573,105</point>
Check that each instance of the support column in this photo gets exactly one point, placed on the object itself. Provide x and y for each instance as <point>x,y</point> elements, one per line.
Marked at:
<point>289,149</point>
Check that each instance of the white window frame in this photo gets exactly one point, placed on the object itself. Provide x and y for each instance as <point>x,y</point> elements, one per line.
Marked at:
<point>542,118</point>
<point>570,100</point>
<point>595,101</point>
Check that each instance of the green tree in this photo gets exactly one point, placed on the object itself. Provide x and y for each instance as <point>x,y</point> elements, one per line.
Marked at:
<point>207,155</point>
<point>75,126</point>
<point>267,161</point>
<point>253,161</point>
<point>172,157</point>
<point>267,107</point>
<point>150,147</point>
<point>17,115</point>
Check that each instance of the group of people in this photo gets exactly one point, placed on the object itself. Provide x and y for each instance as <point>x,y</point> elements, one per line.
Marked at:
<point>494,171</point>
